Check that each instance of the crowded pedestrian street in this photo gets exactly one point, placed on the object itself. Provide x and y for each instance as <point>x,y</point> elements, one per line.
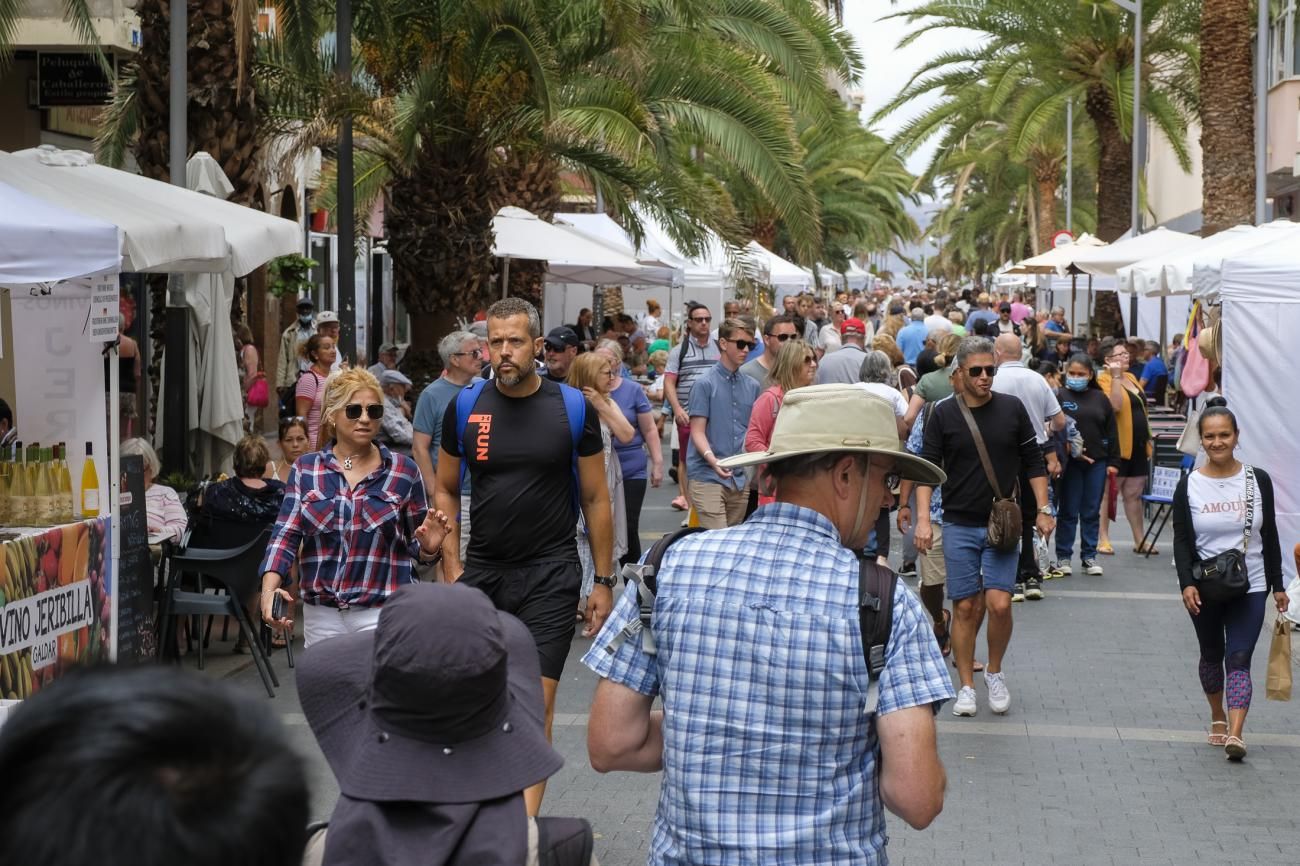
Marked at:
<point>1103,762</point>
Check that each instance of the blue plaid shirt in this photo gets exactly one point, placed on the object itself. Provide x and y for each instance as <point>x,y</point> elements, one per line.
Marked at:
<point>768,752</point>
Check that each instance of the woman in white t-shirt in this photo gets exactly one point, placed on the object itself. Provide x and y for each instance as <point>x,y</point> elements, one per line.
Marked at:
<point>1221,506</point>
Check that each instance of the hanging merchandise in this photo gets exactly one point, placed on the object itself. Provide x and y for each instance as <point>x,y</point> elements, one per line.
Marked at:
<point>1196,367</point>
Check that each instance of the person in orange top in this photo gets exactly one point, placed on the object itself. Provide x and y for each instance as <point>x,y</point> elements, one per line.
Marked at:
<point>1135,445</point>
<point>795,367</point>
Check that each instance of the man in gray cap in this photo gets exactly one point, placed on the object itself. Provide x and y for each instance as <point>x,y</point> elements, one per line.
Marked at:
<point>771,747</point>
<point>387,360</point>
<point>396,428</point>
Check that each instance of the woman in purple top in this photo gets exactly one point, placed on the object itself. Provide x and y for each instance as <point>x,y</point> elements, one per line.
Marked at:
<point>631,399</point>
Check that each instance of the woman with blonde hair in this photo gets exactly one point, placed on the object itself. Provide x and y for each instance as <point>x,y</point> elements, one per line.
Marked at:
<point>359,515</point>
<point>592,373</point>
<point>795,367</point>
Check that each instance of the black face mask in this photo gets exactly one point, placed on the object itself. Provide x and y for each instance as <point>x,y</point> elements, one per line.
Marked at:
<point>871,311</point>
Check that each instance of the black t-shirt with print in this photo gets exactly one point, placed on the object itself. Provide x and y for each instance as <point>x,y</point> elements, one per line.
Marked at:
<point>520,458</point>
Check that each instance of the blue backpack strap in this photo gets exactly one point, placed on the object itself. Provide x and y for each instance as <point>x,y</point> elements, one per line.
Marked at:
<point>575,406</point>
<point>465,401</point>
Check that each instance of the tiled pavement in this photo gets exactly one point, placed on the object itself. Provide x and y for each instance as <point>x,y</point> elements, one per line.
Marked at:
<point>1101,759</point>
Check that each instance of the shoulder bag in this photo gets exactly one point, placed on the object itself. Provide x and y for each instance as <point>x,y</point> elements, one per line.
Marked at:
<point>1004,520</point>
<point>1222,578</point>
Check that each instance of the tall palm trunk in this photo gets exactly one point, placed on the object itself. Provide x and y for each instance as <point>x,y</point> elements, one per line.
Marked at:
<point>1227,115</point>
<point>221,119</point>
<point>1047,177</point>
<point>1114,168</point>
<point>532,182</point>
<point>439,225</point>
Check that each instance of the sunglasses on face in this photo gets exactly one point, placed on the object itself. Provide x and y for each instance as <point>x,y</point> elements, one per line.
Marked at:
<point>374,411</point>
<point>810,360</point>
<point>977,372</point>
<point>781,338</point>
<point>705,319</point>
<point>743,345</point>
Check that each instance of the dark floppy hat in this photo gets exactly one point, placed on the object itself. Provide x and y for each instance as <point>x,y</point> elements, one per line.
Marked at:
<point>441,703</point>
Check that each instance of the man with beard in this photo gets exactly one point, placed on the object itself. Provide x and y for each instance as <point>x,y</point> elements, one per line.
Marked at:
<point>535,458</point>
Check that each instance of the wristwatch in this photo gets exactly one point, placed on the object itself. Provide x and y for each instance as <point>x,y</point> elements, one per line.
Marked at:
<point>1046,509</point>
<point>610,582</point>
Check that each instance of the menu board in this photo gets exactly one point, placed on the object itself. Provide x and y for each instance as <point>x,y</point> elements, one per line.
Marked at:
<point>136,638</point>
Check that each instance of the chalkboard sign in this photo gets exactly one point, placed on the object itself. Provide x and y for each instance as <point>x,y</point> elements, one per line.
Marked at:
<point>71,79</point>
<point>136,640</point>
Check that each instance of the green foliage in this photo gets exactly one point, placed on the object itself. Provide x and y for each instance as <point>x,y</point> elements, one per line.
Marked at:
<point>289,275</point>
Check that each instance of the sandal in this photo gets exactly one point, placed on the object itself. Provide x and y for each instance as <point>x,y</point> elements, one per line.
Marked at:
<point>1149,550</point>
<point>278,641</point>
<point>1218,740</point>
<point>1105,548</point>
<point>1234,748</point>
<point>944,637</point>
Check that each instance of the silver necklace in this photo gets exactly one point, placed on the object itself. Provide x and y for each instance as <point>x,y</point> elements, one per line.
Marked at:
<point>347,461</point>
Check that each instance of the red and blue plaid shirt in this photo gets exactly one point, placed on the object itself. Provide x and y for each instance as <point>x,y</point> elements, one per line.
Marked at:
<point>357,543</point>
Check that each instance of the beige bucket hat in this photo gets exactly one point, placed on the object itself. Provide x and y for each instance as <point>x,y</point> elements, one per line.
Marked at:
<point>827,418</point>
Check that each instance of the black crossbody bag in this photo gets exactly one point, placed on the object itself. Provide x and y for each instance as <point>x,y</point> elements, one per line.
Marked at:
<point>1223,578</point>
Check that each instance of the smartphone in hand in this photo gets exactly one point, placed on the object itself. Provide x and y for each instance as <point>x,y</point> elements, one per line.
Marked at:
<point>277,607</point>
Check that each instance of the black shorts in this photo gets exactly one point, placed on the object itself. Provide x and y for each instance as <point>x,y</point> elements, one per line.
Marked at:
<point>543,595</point>
<point>1137,466</point>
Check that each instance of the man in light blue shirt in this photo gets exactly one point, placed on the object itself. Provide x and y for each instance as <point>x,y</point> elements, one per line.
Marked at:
<point>911,339</point>
<point>721,402</point>
<point>770,747</point>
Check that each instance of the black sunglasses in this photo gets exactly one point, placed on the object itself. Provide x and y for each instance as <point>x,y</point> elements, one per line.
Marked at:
<point>701,318</point>
<point>781,338</point>
<point>989,371</point>
<point>374,411</point>
<point>744,345</point>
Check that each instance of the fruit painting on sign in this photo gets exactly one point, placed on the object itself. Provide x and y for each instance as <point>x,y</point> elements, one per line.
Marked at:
<point>54,605</point>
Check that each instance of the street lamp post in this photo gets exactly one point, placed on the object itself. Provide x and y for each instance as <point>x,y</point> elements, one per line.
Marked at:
<point>1135,7</point>
<point>1261,112</point>
<point>345,220</point>
<point>1069,166</point>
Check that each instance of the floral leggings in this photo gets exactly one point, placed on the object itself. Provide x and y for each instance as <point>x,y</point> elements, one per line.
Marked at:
<point>1228,633</point>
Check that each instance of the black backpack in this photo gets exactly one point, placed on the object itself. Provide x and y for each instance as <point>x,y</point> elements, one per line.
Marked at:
<point>875,607</point>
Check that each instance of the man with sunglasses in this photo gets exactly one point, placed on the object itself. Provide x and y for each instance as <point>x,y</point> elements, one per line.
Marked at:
<point>980,578</point>
<point>843,367</point>
<point>462,356</point>
<point>776,332</point>
<point>558,352</point>
<point>722,400</point>
<point>696,354</point>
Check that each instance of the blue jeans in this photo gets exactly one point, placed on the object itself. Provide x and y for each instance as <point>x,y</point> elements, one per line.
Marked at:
<point>1082,486</point>
<point>973,565</point>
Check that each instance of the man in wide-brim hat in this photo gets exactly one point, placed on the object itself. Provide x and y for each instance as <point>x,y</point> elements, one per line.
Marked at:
<point>432,723</point>
<point>766,746</point>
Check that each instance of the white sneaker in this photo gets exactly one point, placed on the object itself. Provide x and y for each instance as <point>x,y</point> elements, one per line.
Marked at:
<point>1091,567</point>
<point>1064,569</point>
<point>999,696</point>
<point>965,705</point>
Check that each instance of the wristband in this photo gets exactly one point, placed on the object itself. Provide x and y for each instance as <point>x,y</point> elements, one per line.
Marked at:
<point>708,454</point>
<point>609,582</point>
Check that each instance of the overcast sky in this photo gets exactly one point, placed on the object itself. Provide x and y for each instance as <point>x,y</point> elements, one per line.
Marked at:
<point>887,68</point>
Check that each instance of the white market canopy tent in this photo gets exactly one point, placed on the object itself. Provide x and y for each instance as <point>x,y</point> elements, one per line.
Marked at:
<point>1207,270</point>
<point>782,275</point>
<point>1105,261</point>
<point>570,257</point>
<point>709,274</point>
<point>857,278</point>
<point>667,268</point>
<point>1056,260</point>
<point>1170,273</point>
<point>1261,316</point>
<point>41,242</point>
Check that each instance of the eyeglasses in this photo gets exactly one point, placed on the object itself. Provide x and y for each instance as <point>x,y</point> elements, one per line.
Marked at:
<point>743,345</point>
<point>810,360</point>
<point>374,411</point>
<point>610,373</point>
<point>976,372</point>
<point>477,353</point>
<point>781,338</point>
<point>705,319</point>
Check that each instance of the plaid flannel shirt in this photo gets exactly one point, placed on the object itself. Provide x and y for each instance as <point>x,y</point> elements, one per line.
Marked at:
<point>769,755</point>
<point>357,543</point>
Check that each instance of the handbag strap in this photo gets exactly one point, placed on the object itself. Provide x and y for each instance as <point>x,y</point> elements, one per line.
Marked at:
<point>979,447</point>
<point>1250,506</point>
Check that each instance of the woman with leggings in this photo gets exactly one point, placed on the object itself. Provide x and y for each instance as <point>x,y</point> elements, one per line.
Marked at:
<point>1222,506</point>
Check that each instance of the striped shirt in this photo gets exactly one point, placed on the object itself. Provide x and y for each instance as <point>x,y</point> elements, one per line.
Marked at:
<point>769,755</point>
<point>686,370</point>
<point>357,543</point>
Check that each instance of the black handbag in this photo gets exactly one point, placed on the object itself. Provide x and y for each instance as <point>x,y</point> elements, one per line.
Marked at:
<point>1223,578</point>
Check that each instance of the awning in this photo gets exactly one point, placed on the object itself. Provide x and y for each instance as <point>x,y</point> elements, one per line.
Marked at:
<point>41,242</point>
<point>1171,273</point>
<point>570,257</point>
<point>600,228</point>
<point>165,228</point>
<point>1207,270</point>
<point>1106,261</point>
<point>858,279</point>
<point>1056,260</point>
<point>781,274</point>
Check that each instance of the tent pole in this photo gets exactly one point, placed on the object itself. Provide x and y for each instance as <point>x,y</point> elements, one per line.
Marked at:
<point>1074,302</point>
<point>1092,309</point>
<point>114,496</point>
<point>505,277</point>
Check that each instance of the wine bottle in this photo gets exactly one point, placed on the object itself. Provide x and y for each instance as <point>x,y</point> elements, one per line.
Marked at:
<point>19,492</point>
<point>42,496</point>
<point>89,485</point>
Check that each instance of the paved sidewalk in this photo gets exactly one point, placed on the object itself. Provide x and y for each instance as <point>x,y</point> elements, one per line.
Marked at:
<point>1101,759</point>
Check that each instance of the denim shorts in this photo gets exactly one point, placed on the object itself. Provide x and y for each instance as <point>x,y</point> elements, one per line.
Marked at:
<point>973,565</point>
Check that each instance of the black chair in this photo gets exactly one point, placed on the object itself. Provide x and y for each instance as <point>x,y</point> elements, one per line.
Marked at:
<point>234,570</point>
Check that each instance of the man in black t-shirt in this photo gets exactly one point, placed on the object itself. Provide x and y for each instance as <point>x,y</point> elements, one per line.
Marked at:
<point>980,578</point>
<point>518,446</point>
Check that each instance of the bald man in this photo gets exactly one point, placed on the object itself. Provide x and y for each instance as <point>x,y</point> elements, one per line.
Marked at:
<point>1044,410</point>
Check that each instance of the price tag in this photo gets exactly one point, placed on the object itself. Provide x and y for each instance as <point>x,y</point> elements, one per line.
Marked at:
<point>104,311</point>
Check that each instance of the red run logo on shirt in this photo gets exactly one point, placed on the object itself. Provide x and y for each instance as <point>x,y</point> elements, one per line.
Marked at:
<point>484,423</point>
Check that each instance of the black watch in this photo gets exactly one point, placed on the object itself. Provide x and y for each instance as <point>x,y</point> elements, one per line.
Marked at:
<point>610,582</point>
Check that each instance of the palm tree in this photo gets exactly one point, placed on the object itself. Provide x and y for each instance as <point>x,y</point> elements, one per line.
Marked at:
<point>1227,115</point>
<point>1049,52</point>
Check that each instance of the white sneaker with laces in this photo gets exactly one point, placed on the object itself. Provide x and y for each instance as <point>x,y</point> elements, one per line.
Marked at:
<point>965,705</point>
<point>1064,569</point>
<point>1091,567</point>
<point>999,696</point>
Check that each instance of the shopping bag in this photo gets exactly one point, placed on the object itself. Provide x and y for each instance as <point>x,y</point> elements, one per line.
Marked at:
<point>1279,662</point>
<point>1196,367</point>
<point>259,394</point>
